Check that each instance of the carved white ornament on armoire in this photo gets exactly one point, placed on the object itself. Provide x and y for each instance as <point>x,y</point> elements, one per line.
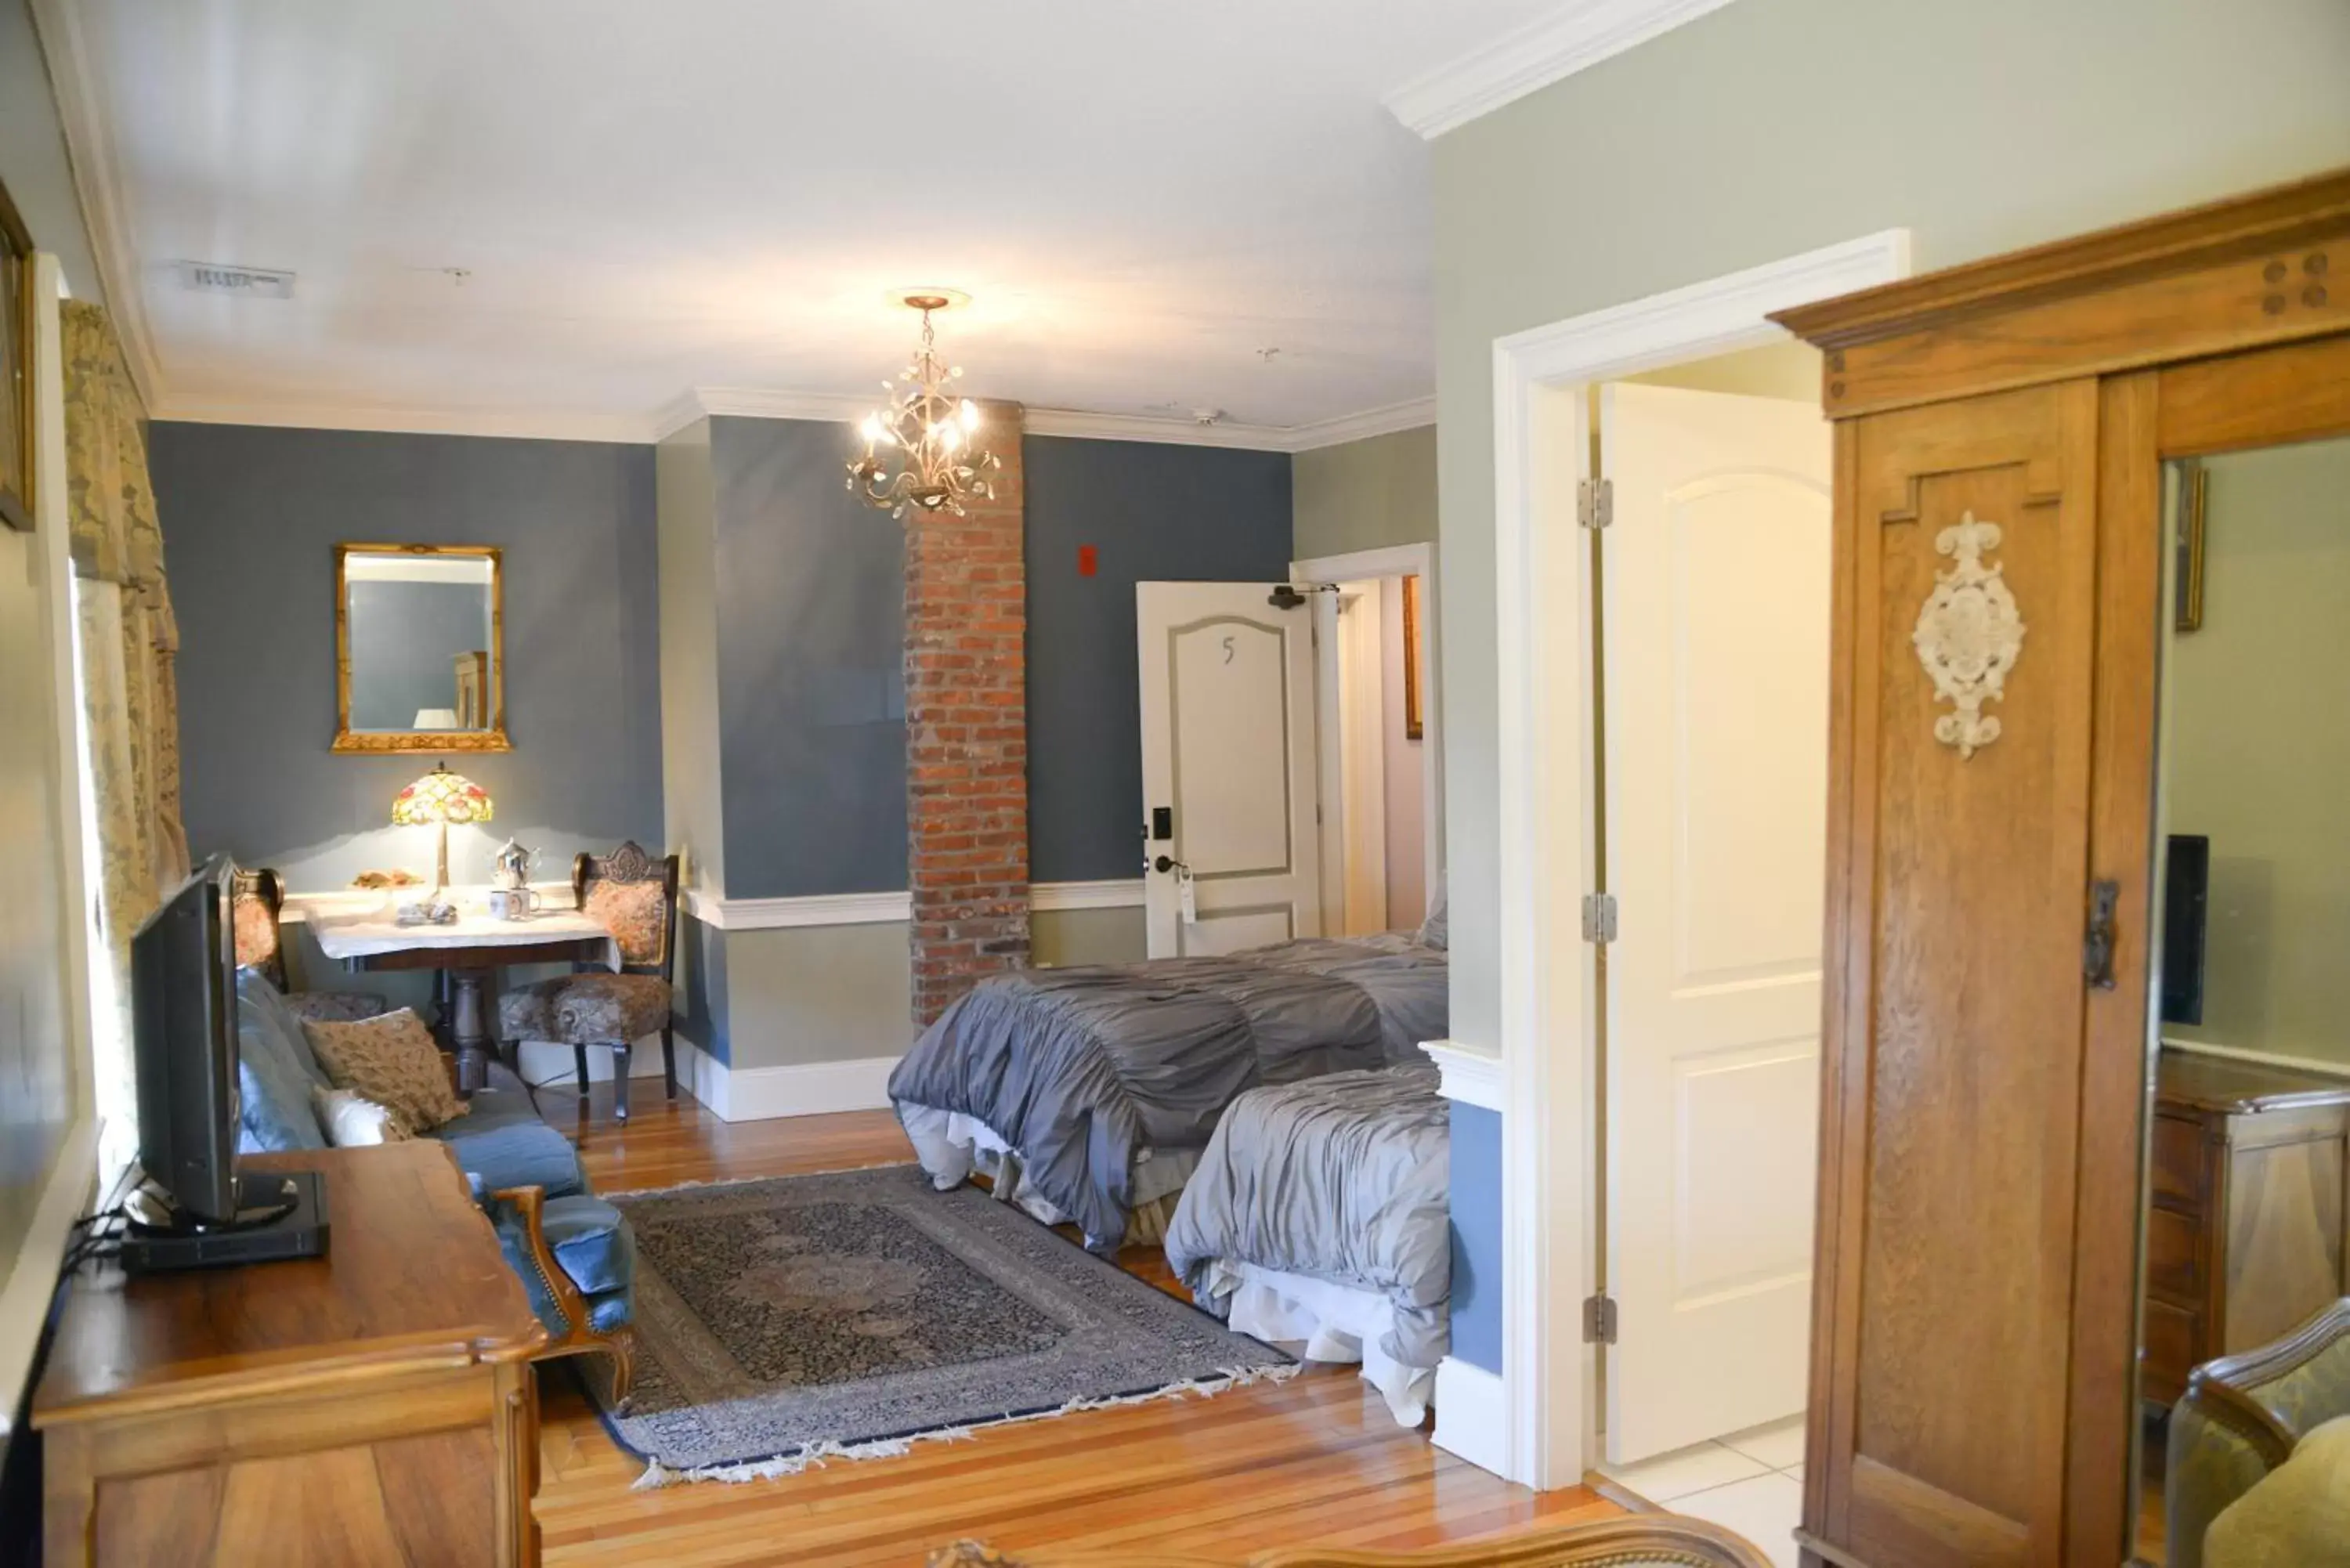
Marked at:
<point>2000,429</point>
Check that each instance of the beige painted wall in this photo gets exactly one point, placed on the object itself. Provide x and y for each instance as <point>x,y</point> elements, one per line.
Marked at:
<point>2259,752</point>
<point>686,507</point>
<point>1364,494</point>
<point>1979,128</point>
<point>1063,938</point>
<point>816,993</point>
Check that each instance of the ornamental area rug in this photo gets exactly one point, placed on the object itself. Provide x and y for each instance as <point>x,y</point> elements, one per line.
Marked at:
<point>789,1320</point>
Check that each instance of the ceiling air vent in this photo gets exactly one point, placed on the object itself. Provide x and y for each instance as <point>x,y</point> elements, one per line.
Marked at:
<point>251,282</point>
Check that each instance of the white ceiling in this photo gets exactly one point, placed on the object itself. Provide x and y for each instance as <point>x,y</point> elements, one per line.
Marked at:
<point>1141,196</point>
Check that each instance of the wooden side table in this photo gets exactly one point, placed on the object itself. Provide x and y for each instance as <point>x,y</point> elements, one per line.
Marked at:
<point>372,1405</point>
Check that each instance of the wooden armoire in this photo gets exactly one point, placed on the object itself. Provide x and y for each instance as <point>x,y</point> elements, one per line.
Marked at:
<point>2000,431</point>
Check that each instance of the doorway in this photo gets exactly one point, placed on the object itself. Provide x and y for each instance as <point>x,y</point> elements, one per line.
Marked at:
<point>1379,794</point>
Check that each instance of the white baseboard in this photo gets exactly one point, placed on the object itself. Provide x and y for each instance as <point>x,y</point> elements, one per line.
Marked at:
<point>545,1063</point>
<point>1472,1417</point>
<point>809,1089</point>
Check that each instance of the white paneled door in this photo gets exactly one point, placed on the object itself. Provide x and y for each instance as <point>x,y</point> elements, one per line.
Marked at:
<point>1229,849</point>
<point>1715,569</point>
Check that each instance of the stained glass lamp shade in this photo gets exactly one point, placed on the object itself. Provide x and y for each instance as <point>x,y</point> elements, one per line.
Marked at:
<point>440,798</point>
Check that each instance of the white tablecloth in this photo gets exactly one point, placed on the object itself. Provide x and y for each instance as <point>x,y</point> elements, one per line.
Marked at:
<point>347,932</point>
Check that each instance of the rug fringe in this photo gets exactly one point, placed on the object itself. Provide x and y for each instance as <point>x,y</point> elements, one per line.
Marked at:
<point>811,1456</point>
<point>748,1180</point>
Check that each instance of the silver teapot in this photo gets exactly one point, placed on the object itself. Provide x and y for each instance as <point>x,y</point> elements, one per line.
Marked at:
<point>512,865</point>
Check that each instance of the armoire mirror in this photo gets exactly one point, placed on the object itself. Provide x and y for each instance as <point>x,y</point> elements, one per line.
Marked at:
<point>2245,1236</point>
<point>420,653</point>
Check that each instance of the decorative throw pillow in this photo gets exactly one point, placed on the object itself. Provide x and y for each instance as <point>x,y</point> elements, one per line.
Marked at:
<point>2299,1517</point>
<point>635,913</point>
<point>393,1061</point>
<point>352,1121</point>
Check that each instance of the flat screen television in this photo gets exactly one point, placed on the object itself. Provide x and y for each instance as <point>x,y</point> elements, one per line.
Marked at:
<point>183,1043</point>
<point>2186,900</point>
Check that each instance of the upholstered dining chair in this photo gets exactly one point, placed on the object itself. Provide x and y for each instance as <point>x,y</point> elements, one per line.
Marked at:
<point>634,896</point>
<point>257,917</point>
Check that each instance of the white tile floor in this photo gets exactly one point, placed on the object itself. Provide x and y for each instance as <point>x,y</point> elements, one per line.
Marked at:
<point>1750,1482</point>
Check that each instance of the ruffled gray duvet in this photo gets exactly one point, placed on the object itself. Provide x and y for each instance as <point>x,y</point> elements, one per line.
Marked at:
<point>1344,1178</point>
<point>1079,1069</point>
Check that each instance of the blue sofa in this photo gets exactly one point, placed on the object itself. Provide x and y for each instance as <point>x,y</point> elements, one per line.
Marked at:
<point>573,1251</point>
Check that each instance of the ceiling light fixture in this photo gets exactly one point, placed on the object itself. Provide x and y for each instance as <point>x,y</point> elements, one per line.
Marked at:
<point>937,467</point>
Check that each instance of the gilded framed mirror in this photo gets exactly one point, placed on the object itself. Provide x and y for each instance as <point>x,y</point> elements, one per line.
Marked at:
<point>419,649</point>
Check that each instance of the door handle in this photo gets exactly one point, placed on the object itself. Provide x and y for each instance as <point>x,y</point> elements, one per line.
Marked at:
<point>2097,945</point>
<point>1166,862</point>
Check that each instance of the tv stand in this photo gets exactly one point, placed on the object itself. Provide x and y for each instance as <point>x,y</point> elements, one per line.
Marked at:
<point>372,1405</point>
<point>279,1214</point>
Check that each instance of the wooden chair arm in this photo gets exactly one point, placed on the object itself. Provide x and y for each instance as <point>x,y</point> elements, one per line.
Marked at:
<point>1649,1538</point>
<point>2226,1392</point>
<point>530,1202</point>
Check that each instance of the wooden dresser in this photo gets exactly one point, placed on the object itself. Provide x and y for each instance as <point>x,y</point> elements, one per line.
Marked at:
<point>372,1405</point>
<point>2245,1233</point>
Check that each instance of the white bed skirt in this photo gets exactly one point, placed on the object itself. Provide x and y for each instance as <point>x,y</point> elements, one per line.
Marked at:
<point>953,1147</point>
<point>1321,1319</point>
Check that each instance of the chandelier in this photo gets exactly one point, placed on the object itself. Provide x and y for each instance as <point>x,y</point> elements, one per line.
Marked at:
<point>918,451</point>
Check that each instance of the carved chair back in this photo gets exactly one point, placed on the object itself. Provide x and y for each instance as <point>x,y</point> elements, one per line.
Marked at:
<point>257,902</point>
<point>635,895</point>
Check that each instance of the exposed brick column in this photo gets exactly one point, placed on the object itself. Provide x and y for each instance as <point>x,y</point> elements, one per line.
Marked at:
<point>967,735</point>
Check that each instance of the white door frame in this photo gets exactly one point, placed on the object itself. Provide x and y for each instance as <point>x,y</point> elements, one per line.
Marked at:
<point>1548,990</point>
<point>1392,561</point>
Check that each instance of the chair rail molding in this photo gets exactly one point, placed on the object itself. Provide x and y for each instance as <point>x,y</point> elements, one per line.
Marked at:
<point>1548,788</point>
<point>1465,1075</point>
<point>1053,898</point>
<point>813,910</point>
<point>1549,49</point>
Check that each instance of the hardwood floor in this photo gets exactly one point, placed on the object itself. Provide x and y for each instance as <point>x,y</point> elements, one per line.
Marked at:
<point>1315,1460</point>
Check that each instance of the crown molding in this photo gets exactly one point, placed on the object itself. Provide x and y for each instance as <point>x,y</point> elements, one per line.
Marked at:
<point>1416,414</point>
<point>1550,49</point>
<point>1084,426</point>
<point>554,425</point>
<point>98,185</point>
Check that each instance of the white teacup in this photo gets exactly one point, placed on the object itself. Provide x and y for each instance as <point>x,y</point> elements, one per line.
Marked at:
<point>513,903</point>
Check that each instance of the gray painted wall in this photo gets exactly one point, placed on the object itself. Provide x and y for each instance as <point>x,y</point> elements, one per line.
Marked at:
<point>1152,513</point>
<point>810,598</point>
<point>405,637</point>
<point>1979,128</point>
<point>1477,1235</point>
<point>1366,495</point>
<point>251,517</point>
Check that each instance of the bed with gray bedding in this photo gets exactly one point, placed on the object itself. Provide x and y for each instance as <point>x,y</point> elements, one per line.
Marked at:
<point>1339,1182</point>
<point>1088,1074</point>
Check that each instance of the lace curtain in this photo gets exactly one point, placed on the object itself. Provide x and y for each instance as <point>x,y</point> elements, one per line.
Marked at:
<point>126,641</point>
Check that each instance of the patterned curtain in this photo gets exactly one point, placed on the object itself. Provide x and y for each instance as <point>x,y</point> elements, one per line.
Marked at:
<point>127,641</point>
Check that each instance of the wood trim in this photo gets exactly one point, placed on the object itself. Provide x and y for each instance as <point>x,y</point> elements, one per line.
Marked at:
<point>1822,1424</point>
<point>18,506</point>
<point>2299,391</point>
<point>2279,217</point>
<point>2116,1056</point>
<point>377,741</point>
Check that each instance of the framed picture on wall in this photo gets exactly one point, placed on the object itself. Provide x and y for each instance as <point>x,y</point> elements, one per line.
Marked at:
<point>15,366</point>
<point>1411,723</point>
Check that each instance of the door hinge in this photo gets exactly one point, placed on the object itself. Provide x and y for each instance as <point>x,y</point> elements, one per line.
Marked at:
<point>1600,918</point>
<point>1595,503</point>
<point>1599,1320</point>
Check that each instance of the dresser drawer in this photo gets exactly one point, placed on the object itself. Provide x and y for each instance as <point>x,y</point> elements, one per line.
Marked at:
<point>2174,1347</point>
<point>2178,1161</point>
<point>2173,1264</point>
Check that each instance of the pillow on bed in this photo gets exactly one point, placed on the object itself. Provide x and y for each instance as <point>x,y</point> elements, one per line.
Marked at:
<point>1435,930</point>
